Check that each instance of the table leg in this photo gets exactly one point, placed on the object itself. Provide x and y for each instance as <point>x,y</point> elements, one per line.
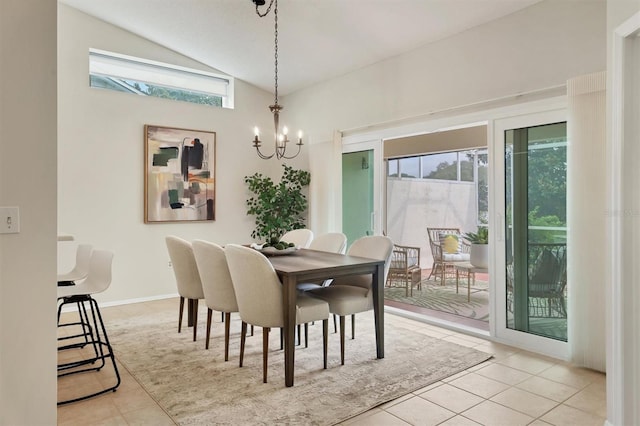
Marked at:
<point>289,306</point>
<point>469,285</point>
<point>378,308</point>
<point>457,279</point>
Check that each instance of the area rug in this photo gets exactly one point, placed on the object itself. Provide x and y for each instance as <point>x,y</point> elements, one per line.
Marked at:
<point>444,298</point>
<point>197,387</point>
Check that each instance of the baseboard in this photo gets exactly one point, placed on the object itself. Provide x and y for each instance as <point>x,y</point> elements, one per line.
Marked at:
<point>70,308</point>
<point>138,300</point>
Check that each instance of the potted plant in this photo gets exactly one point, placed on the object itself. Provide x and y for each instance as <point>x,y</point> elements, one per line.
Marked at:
<point>479,254</point>
<point>278,207</point>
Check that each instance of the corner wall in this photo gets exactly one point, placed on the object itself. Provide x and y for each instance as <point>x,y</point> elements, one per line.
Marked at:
<point>28,180</point>
<point>101,159</point>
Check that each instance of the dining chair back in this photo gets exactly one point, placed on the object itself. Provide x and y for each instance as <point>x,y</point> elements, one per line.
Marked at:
<point>374,247</point>
<point>187,276</point>
<point>80,269</point>
<point>260,300</point>
<point>257,287</point>
<point>332,242</point>
<point>300,237</point>
<point>217,286</point>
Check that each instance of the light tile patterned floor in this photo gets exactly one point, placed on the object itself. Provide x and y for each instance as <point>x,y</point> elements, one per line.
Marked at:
<point>513,388</point>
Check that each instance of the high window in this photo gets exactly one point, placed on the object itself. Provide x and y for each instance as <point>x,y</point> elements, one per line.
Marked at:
<point>129,74</point>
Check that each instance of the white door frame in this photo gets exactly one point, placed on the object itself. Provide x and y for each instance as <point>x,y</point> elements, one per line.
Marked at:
<point>499,330</point>
<point>623,319</point>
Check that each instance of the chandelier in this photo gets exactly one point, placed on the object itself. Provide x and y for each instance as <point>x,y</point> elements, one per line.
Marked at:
<point>281,136</point>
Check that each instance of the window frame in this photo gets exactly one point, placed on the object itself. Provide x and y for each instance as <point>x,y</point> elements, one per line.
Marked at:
<point>116,66</point>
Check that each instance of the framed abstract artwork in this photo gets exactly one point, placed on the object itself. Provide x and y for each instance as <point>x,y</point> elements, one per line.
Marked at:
<point>179,175</point>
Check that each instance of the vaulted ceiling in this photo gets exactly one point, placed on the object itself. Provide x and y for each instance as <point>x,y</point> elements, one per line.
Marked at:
<point>318,39</point>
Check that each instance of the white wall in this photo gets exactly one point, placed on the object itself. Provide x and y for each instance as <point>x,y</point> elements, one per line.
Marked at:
<point>533,49</point>
<point>623,287</point>
<point>28,180</point>
<point>539,47</point>
<point>100,180</point>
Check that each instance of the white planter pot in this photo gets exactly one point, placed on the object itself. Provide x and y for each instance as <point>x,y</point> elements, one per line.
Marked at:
<point>480,255</point>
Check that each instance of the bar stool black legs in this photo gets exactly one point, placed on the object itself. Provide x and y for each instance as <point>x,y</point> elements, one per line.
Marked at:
<point>94,334</point>
<point>89,349</point>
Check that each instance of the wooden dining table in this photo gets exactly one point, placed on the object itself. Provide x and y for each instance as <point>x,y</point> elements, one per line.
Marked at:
<point>309,265</point>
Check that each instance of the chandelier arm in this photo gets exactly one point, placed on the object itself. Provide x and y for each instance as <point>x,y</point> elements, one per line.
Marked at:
<point>261,155</point>
<point>294,155</point>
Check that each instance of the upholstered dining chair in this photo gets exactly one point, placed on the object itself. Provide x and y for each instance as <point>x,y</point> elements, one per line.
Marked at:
<point>81,268</point>
<point>300,237</point>
<point>216,286</point>
<point>187,276</point>
<point>94,332</point>
<point>259,294</point>
<point>354,294</point>
<point>332,242</point>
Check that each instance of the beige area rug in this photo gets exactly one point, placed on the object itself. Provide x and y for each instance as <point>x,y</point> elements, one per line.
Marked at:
<point>196,387</point>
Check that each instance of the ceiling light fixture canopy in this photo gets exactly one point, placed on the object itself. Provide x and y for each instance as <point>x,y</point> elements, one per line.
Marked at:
<point>281,136</point>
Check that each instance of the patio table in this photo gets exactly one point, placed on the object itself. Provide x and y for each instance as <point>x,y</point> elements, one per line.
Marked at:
<point>469,269</point>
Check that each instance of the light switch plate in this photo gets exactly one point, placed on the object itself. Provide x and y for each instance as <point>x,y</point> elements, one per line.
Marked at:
<point>9,220</point>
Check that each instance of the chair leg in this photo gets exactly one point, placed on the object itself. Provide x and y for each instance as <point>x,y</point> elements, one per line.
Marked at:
<point>181,311</point>
<point>335,322</point>
<point>265,352</point>
<point>306,335</point>
<point>281,339</point>
<point>101,342</point>
<point>222,315</point>
<point>299,333</point>
<point>206,343</point>
<point>325,340</point>
<point>252,329</point>
<point>353,326</point>
<point>243,337</point>
<point>227,326</point>
<point>195,318</point>
<point>342,340</point>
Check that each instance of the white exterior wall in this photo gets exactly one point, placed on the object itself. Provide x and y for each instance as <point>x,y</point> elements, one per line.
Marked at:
<point>28,180</point>
<point>413,205</point>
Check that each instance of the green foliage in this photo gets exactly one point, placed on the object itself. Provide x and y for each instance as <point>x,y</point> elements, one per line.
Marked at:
<point>278,208</point>
<point>480,237</point>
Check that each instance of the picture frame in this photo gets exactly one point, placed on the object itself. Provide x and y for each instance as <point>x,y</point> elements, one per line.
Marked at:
<point>179,174</point>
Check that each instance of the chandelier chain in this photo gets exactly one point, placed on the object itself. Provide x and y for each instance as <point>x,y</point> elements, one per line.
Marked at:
<point>276,50</point>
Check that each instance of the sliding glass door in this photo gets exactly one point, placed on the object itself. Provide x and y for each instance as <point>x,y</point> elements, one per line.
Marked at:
<point>531,249</point>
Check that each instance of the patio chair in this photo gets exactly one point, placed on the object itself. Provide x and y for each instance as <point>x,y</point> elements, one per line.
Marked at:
<point>445,257</point>
<point>547,280</point>
<point>547,276</point>
<point>404,270</point>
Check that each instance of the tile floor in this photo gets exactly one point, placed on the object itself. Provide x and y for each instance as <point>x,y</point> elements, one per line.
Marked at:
<point>513,388</point>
